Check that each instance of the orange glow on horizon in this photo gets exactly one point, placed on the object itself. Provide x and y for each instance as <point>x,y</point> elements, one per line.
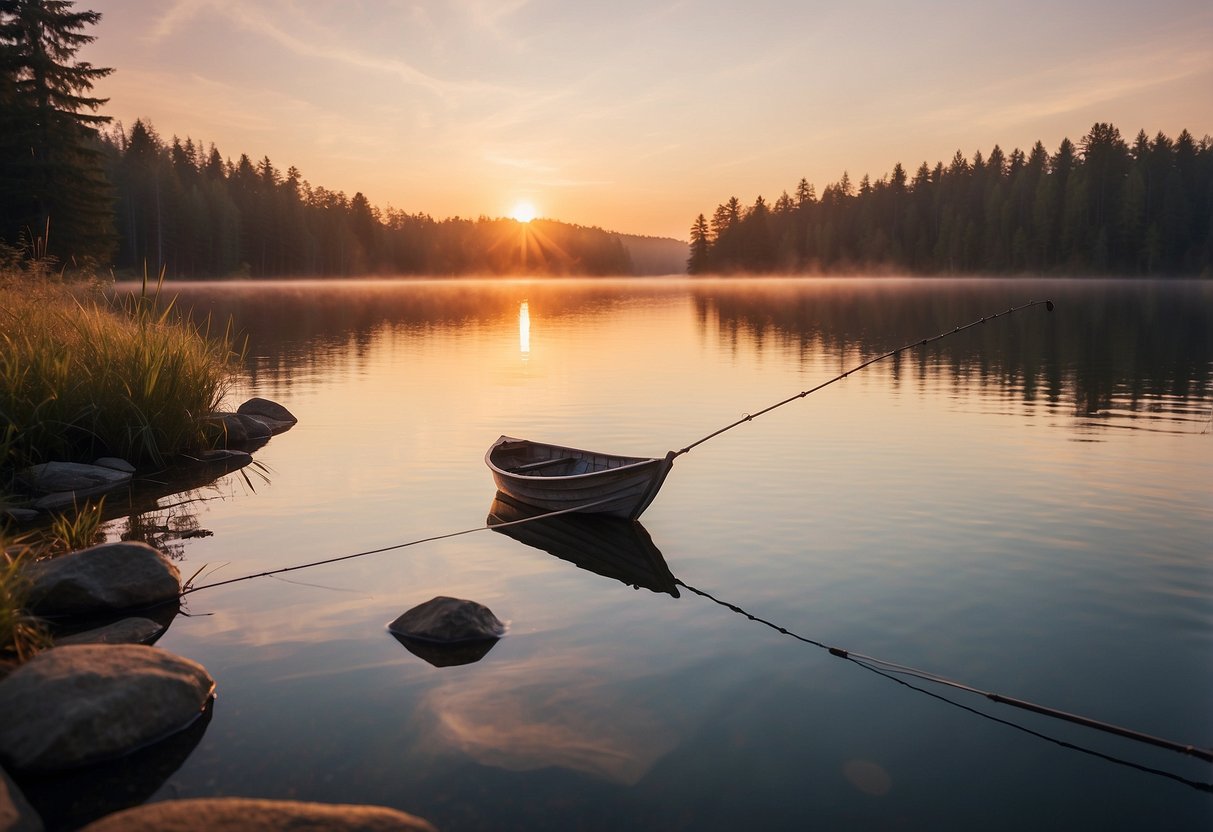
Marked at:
<point>523,211</point>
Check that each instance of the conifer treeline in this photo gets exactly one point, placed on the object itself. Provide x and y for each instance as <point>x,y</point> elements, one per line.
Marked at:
<point>190,211</point>
<point>1103,206</point>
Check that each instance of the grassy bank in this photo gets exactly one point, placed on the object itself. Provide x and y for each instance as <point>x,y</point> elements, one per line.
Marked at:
<point>82,378</point>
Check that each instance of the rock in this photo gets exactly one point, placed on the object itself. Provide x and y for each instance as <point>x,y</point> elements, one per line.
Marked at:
<point>242,814</point>
<point>75,705</point>
<point>133,630</point>
<point>20,515</point>
<point>111,576</point>
<point>115,464</point>
<point>447,655</point>
<point>267,409</point>
<point>273,425</point>
<point>73,476</point>
<point>448,620</point>
<point>238,429</point>
<point>58,501</point>
<point>16,815</point>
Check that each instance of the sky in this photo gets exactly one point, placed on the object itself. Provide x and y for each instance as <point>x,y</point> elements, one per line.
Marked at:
<point>637,115</point>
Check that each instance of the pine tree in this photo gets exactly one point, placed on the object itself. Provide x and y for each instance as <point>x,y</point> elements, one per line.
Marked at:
<point>59,183</point>
<point>697,263</point>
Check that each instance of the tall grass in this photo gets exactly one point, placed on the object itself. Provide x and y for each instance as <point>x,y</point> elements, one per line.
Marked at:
<point>80,378</point>
<point>21,634</point>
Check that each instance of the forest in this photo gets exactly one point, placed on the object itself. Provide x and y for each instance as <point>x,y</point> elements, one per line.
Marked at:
<point>1103,206</point>
<point>82,192</point>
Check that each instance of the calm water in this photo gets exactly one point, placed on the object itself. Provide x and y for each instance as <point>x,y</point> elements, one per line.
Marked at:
<point>1025,508</point>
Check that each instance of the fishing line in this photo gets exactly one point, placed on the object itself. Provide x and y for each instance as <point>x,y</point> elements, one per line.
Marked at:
<point>269,573</point>
<point>749,417</point>
<point>872,663</point>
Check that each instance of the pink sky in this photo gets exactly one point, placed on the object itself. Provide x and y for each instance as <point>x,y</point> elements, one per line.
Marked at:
<point>637,115</point>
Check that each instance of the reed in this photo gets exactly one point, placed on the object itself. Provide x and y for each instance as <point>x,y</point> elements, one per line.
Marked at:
<point>78,530</point>
<point>21,634</point>
<point>80,377</point>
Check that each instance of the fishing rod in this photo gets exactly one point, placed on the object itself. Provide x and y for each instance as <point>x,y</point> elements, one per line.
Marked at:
<point>885,666</point>
<point>1048,304</point>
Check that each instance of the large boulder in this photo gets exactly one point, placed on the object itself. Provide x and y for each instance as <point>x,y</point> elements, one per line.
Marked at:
<point>111,576</point>
<point>16,815</point>
<point>448,621</point>
<point>240,814</point>
<point>75,705</point>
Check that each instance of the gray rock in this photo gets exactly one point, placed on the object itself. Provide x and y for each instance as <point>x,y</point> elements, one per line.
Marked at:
<point>242,814</point>
<point>115,464</point>
<point>273,425</point>
<point>238,429</point>
<point>21,515</point>
<point>448,620</point>
<point>58,501</point>
<point>71,706</point>
<point>16,815</point>
<point>73,476</point>
<point>133,630</point>
<point>265,408</point>
<point>104,578</point>
<point>226,457</point>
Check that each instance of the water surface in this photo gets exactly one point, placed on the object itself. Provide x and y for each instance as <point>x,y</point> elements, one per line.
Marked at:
<point>1024,507</point>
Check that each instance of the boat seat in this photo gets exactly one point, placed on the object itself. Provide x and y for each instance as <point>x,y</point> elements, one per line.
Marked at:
<point>543,463</point>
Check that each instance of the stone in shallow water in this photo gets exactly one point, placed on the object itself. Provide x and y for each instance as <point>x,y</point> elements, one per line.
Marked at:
<point>449,621</point>
<point>80,704</point>
<point>73,476</point>
<point>114,463</point>
<point>112,576</point>
<point>239,814</point>
<point>267,409</point>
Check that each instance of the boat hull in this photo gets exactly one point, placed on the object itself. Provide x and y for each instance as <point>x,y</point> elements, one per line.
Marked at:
<point>559,478</point>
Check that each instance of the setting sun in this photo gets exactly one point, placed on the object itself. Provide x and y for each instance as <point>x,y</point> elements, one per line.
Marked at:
<point>523,212</point>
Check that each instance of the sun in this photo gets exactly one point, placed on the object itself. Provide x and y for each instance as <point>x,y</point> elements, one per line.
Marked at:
<point>523,211</point>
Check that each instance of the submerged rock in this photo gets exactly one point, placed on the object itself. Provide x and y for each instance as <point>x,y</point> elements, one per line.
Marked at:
<point>74,705</point>
<point>111,576</point>
<point>241,814</point>
<point>448,621</point>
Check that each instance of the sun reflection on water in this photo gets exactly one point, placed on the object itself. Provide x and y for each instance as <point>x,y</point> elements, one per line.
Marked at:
<point>524,330</point>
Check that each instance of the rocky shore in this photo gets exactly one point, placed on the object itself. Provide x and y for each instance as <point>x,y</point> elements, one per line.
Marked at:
<point>92,727</point>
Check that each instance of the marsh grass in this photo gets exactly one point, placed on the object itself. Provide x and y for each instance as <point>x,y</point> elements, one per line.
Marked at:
<point>78,530</point>
<point>81,378</point>
<point>21,634</point>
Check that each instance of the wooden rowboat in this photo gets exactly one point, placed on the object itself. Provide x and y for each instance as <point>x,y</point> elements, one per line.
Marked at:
<point>557,478</point>
<point>607,546</point>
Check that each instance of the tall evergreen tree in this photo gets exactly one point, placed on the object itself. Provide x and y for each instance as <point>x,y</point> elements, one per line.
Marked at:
<point>697,263</point>
<point>59,183</point>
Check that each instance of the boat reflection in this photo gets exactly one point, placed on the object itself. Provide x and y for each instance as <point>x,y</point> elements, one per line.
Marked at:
<point>609,546</point>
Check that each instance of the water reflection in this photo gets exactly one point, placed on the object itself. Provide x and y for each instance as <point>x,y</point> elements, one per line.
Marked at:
<point>608,546</point>
<point>1114,351</point>
<point>1103,342</point>
<point>524,330</point>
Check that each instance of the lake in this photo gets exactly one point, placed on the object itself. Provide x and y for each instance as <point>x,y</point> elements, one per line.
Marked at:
<point>1025,507</point>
